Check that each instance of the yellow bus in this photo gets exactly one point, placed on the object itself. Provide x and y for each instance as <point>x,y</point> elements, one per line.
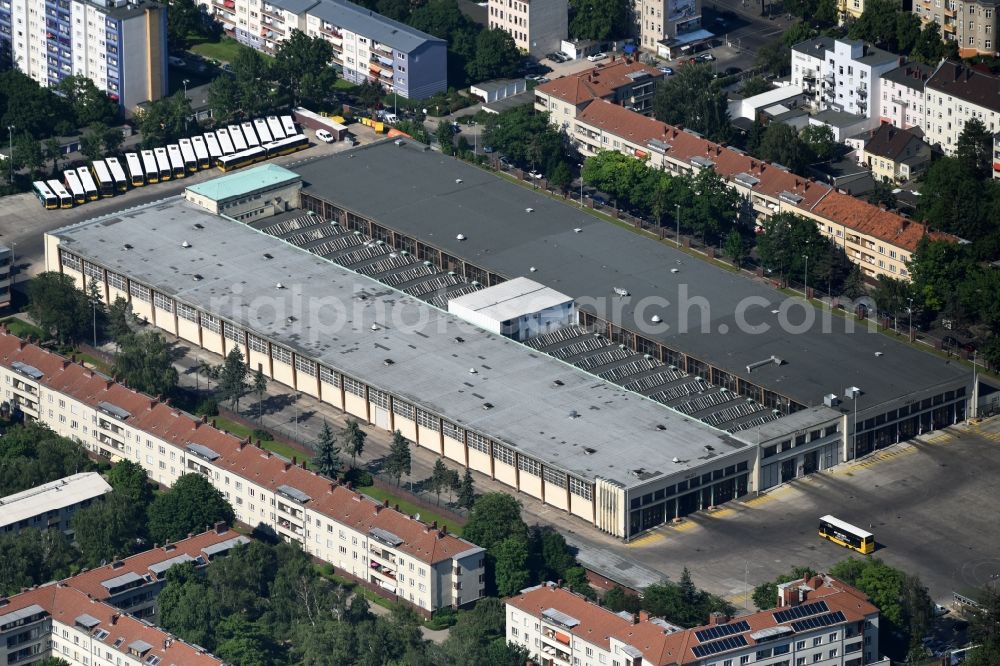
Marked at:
<point>846,535</point>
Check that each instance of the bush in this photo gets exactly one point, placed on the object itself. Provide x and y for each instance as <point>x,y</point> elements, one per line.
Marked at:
<point>443,619</point>
<point>207,407</point>
<point>358,478</point>
<point>262,435</point>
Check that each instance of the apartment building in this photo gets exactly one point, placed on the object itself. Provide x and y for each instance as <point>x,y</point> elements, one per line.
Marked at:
<point>842,75</point>
<point>621,81</point>
<point>57,620</point>
<point>51,506</point>
<point>972,24</point>
<point>954,94</point>
<point>902,95</point>
<point>895,155</point>
<point>6,275</point>
<point>413,561</point>
<point>537,26</point>
<point>133,584</point>
<point>666,26</point>
<point>818,620</point>
<point>366,46</point>
<point>52,39</point>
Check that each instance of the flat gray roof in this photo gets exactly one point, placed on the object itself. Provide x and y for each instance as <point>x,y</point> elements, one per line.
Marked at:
<point>586,426</point>
<point>803,419</point>
<point>435,198</point>
<point>372,25</point>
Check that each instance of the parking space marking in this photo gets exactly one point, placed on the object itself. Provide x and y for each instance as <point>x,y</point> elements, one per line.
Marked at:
<point>719,513</point>
<point>648,540</point>
<point>684,526</point>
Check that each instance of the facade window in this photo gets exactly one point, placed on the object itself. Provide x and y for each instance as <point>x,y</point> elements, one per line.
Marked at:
<point>429,421</point>
<point>162,302</point>
<point>529,465</point>
<point>187,312</point>
<point>140,292</point>
<point>305,366</point>
<point>70,260</point>
<point>211,323</point>
<point>452,431</point>
<point>281,355</point>
<point>554,476</point>
<point>328,376</point>
<point>232,332</point>
<point>354,387</point>
<point>478,443</point>
<point>256,344</point>
<point>403,409</point>
<point>581,488</point>
<point>378,398</point>
<point>503,454</point>
<point>117,281</point>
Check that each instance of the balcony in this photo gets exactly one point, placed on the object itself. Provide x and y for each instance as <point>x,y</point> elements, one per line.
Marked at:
<point>383,556</point>
<point>110,442</point>
<point>291,528</point>
<point>25,387</point>
<point>383,48</point>
<point>290,511</point>
<point>382,570</point>
<point>862,91</point>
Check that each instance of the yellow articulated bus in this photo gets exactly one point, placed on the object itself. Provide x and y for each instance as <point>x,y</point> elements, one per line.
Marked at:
<point>846,535</point>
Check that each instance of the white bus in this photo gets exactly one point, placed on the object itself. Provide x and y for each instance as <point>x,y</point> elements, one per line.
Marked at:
<point>45,195</point>
<point>87,180</point>
<point>105,183</point>
<point>201,152</point>
<point>72,181</point>
<point>250,134</point>
<point>225,142</point>
<point>236,135</point>
<point>274,124</point>
<point>65,198</point>
<point>149,166</point>
<point>289,126</point>
<point>263,133</point>
<point>117,173</point>
<point>163,163</point>
<point>187,152</point>
<point>177,169</point>
<point>214,149</point>
<point>136,175</point>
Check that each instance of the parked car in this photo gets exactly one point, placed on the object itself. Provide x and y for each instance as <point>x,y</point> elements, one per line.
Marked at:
<point>558,56</point>
<point>594,57</point>
<point>706,57</point>
<point>324,136</point>
<point>487,149</point>
<point>733,71</point>
<point>176,62</point>
<point>535,174</point>
<point>667,70</point>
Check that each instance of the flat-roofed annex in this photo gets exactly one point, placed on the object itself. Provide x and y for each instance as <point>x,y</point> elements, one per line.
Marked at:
<point>583,425</point>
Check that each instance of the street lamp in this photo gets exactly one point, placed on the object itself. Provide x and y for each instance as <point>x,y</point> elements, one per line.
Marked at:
<point>805,278</point>
<point>854,393</point>
<point>581,184</point>
<point>974,406</point>
<point>678,219</point>
<point>185,82</point>
<point>909,328</point>
<point>10,154</point>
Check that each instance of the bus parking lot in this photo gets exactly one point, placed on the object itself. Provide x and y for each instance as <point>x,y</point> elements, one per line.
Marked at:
<point>929,503</point>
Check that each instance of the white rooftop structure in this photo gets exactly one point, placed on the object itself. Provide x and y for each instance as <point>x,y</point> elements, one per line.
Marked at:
<point>518,309</point>
<point>53,496</point>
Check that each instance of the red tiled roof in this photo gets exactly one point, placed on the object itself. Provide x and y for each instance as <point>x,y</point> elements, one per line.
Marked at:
<point>595,83</point>
<point>65,604</point>
<point>884,225</point>
<point>663,646</point>
<point>596,624</point>
<point>89,582</point>
<point>246,460</point>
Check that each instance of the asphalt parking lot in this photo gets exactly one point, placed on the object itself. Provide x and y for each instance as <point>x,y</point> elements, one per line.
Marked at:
<point>930,504</point>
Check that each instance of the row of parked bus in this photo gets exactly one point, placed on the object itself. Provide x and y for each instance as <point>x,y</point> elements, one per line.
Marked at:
<point>226,148</point>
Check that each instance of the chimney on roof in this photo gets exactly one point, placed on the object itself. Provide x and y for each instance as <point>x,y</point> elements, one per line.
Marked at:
<point>213,424</point>
<point>152,403</point>
<point>220,527</point>
<point>717,618</point>
<point>643,616</point>
<point>204,418</point>
<point>303,463</point>
<point>333,486</point>
<point>240,445</point>
<point>287,464</point>
<point>114,619</point>
<point>385,503</point>
<point>378,507</point>
<point>295,460</point>
<point>444,530</point>
<point>91,372</point>
<point>20,344</point>
<point>396,507</point>
<point>109,384</point>
<point>350,486</point>
<point>65,363</point>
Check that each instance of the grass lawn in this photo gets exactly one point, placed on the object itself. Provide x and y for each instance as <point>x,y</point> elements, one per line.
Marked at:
<point>224,50</point>
<point>243,432</point>
<point>344,84</point>
<point>23,329</point>
<point>426,515</point>
<point>94,362</point>
<point>357,589</point>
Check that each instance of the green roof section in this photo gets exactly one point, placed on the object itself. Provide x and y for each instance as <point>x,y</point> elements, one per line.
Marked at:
<point>245,181</point>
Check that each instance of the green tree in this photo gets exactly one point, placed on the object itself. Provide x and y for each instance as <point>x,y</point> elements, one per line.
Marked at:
<point>494,517</point>
<point>414,129</point>
<point>31,454</point>
<point>755,85</point>
<point>886,25</point>
<point>53,151</point>
<point>88,103</point>
<point>711,206</point>
<point>398,462</point>
<point>184,20</point>
<point>187,606</point>
<point>984,628</point>
<point>496,56</point>
<point>302,65</point>
<point>129,479</point>
<point>512,574</point>
<point>369,94</point>
<point>107,530</point>
<point>975,148</point>
<point>785,241</point>
<point>28,153</point>
<point>91,146</point>
<point>445,136</point>
<point>954,199</point>
<point>466,491</point>
<point>526,138</point>
<point>239,641</point>
<point>120,318</point>
<point>144,362</point>
<point>165,120</point>
<point>936,268</point>
<point>233,378</point>
<point>617,599</point>
<point>440,478</point>
<point>32,557</point>
<point>354,440</point>
<point>327,460</point>
<point>774,57</point>
<point>58,307</point>
<point>882,195</point>
<point>820,142</point>
<point>560,176</point>
<point>736,248</point>
<point>598,19</point>
<point>930,48</point>
<point>259,386</point>
<point>694,99</point>
<point>191,505</point>
<point>781,144</point>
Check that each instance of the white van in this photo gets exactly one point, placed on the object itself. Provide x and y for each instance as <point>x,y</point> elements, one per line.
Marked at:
<point>324,136</point>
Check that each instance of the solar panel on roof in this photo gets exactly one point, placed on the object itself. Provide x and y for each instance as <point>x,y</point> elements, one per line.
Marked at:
<point>715,647</point>
<point>805,610</point>
<point>722,630</point>
<point>560,617</point>
<point>294,493</point>
<point>29,370</point>
<point>819,621</point>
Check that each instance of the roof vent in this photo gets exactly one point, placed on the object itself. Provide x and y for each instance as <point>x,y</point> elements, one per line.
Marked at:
<point>529,210</point>
<point>589,451</point>
<point>451,273</point>
<point>199,225</point>
<point>577,230</point>
<point>458,180</point>
<point>621,291</point>
<point>661,427</point>
<point>393,255</point>
<point>185,244</point>
<point>473,371</point>
<point>459,339</point>
<point>290,319</point>
<point>374,327</point>
<point>388,361</point>
<point>399,142</point>
<point>279,286</point>
<point>427,262</point>
<point>196,277</point>
<point>487,405</point>
<point>460,237</point>
<point>475,283</point>
<point>532,269</point>
<point>574,414</point>
<point>127,246</point>
<point>656,319</point>
<point>878,354</point>
<point>676,459</point>
<point>268,255</point>
<point>558,382</point>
